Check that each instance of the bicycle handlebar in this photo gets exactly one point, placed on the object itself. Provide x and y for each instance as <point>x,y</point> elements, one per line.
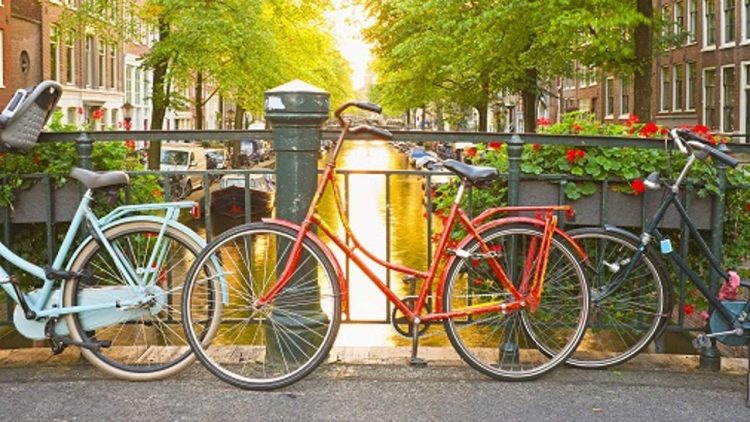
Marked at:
<point>379,133</point>
<point>682,136</point>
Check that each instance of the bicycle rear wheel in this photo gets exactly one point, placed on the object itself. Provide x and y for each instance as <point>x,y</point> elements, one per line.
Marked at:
<point>625,321</point>
<point>506,345</point>
<point>147,341</point>
<point>282,342</point>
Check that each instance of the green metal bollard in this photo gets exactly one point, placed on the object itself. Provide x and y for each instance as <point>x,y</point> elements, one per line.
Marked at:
<point>296,112</point>
<point>515,149</point>
<point>84,148</point>
<point>710,358</point>
<point>509,349</point>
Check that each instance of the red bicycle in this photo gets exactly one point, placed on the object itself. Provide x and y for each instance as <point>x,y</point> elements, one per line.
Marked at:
<point>512,295</point>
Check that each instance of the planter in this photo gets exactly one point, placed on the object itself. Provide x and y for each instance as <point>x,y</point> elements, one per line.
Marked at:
<point>32,205</point>
<point>618,209</point>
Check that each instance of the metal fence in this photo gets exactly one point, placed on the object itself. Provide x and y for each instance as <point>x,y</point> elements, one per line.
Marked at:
<point>515,142</point>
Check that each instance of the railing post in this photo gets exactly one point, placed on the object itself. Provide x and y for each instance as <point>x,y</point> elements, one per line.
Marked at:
<point>515,149</point>
<point>710,357</point>
<point>84,148</point>
<point>296,112</point>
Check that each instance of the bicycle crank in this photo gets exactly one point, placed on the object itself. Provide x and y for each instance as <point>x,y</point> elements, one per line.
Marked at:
<point>401,323</point>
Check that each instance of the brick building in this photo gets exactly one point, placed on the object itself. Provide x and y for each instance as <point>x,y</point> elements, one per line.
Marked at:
<point>705,79</point>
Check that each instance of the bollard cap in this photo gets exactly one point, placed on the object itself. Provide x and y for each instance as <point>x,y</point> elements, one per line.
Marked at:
<point>297,98</point>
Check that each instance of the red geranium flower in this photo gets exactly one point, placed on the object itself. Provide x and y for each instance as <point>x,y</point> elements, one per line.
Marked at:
<point>536,147</point>
<point>495,145</point>
<point>573,155</point>
<point>649,129</point>
<point>688,308</point>
<point>80,110</point>
<point>542,121</point>
<point>36,159</point>
<point>701,130</point>
<point>747,206</point>
<point>576,128</point>
<point>156,192</point>
<point>632,120</point>
<point>471,152</point>
<point>638,186</point>
<point>97,114</point>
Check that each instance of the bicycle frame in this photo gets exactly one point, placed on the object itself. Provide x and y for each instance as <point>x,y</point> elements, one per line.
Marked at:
<point>527,294</point>
<point>652,232</point>
<point>40,304</point>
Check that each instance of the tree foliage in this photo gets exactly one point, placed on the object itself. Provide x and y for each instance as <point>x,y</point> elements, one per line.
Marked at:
<point>470,52</point>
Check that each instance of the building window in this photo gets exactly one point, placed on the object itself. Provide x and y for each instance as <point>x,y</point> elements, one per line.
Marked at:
<point>70,40</point>
<point>709,98</point>
<point>138,85</point>
<point>666,30</point>
<point>690,86</point>
<point>113,66</point>
<point>727,99</point>
<point>678,87</point>
<point>54,54</point>
<point>665,89</point>
<point>624,96</point>
<point>692,20</point>
<point>609,97</point>
<point>90,59</point>
<point>709,23</point>
<point>129,83</point>
<point>727,21</point>
<point>71,116</point>
<point>746,20</point>
<point>679,17</point>
<point>102,64</point>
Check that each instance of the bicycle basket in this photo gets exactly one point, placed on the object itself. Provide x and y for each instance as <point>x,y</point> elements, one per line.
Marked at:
<point>26,114</point>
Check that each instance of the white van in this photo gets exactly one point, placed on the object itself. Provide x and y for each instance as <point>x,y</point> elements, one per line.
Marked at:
<point>178,156</point>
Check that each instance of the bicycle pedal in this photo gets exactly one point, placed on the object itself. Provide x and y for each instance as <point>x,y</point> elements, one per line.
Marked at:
<point>701,342</point>
<point>62,342</point>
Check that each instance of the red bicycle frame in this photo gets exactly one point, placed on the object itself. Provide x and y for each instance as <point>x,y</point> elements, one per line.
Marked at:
<point>527,294</point>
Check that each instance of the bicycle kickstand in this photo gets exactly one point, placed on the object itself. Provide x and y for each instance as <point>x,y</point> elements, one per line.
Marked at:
<point>415,361</point>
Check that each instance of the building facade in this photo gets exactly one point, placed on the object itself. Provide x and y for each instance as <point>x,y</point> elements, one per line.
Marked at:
<point>704,79</point>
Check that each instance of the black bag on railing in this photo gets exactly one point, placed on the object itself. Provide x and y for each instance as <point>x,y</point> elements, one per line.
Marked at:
<point>23,118</point>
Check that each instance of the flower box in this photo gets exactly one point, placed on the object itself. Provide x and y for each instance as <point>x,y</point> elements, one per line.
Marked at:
<point>623,210</point>
<point>31,205</point>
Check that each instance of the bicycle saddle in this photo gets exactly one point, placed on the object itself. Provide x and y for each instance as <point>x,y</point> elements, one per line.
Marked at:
<point>93,180</point>
<point>474,174</point>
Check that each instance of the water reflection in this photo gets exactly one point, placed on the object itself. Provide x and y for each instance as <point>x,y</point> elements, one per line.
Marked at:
<point>367,212</point>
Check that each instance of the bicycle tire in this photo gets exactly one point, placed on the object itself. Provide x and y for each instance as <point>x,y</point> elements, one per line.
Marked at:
<point>151,345</point>
<point>504,345</point>
<point>282,342</point>
<point>625,322</point>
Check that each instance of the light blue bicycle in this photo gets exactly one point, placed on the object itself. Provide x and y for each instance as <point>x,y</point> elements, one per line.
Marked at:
<point>119,294</point>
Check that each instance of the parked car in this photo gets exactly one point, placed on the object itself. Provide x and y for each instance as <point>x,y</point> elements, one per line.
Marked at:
<point>178,156</point>
<point>254,151</point>
<point>217,158</point>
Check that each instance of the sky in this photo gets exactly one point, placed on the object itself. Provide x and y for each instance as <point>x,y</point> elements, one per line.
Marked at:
<point>348,20</point>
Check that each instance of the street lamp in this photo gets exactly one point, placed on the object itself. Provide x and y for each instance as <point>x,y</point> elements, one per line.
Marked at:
<point>127,113</point>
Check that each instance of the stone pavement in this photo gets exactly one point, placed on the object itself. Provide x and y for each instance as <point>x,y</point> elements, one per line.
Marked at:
<point>359,392</point>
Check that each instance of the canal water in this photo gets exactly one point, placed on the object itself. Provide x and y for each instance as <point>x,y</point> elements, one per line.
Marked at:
<point>368,213</point>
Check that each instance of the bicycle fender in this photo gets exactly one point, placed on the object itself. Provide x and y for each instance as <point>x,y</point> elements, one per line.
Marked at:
<point>159,220</point>
<point>497,223</point>
<point>616,230</point>
<point>326,250</point>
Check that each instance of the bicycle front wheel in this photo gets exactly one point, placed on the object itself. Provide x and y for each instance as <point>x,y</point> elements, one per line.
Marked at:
<point>268,347</point>
<point>504,345</point>
<point>624,321</point>
<point>146,341</point>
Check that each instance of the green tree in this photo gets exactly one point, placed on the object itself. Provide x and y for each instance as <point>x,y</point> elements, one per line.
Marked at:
<point>469,53</point>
